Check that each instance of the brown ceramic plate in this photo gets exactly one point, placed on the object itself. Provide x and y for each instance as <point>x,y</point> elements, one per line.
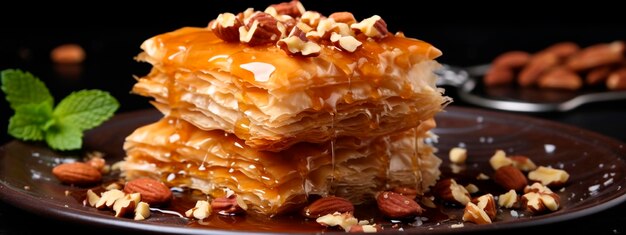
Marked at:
<point>595,162</point>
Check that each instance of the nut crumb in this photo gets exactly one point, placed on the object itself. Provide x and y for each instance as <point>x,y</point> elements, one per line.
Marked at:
<point>482,176</point>
<point>200,211</point>
<point>499,159</point>
<point>456,169</point>
<point>472,188</point>
<point>549,176</point>
<point>113,186</point>
<point>459,225</point>
<point>458,155</point>
<point>26,187</point>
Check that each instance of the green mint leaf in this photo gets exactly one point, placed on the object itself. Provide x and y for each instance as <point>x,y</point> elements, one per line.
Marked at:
<point>64,137</point>
<point>35,119</point>
<point>23,88</point>
<point>86,109</point>
<point>30,121</point>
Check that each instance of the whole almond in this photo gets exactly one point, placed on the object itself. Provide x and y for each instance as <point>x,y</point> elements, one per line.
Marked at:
<point>511,60</point>
<point>560,78</point>
<point>498,75</point>
<point>231,205</point>
<point>152,192</point>
<point>406,191</point>
<point>597,55</point>
<point>97,162</point>
<point>328,205</point>
<point>509,177</point>
<point>598,75</point>
<point>538,64</point>
<point>68,54</point>
<point>617,80</point>
<point>394,205</point>
<point>77,173</point>
<point>562,49</point>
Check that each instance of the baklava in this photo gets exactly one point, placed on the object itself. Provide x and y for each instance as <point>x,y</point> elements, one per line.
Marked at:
<point>280,104</point>
<point>182,155</point>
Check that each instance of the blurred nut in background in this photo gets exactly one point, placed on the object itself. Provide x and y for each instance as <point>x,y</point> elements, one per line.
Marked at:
<point>562,66</point>
<point>68,54</point>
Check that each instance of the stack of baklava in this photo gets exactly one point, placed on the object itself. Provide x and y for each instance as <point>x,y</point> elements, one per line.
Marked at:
<point>280,104</point>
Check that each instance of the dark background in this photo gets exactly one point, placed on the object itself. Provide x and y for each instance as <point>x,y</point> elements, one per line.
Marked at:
<point>468,32</point>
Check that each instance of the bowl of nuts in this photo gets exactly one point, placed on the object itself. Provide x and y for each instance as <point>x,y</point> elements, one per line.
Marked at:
<point>560,77</point>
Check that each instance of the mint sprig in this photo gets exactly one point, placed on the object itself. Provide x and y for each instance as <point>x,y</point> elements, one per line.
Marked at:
<point>62,126</point>
<point>22,88</point>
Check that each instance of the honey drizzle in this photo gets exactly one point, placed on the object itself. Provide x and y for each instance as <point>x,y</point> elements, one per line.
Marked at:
<point>417,161</point>
<point>332,150</point>
<point>193,49</point>
<point>197,49</point>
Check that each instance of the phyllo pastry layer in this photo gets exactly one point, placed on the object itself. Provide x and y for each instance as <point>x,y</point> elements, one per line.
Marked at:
<point>273,99</point>
<point>181,155</point>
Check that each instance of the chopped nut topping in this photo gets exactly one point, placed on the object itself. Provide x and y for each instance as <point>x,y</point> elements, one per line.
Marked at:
<point>293,9</point>
<point>343,17</point>
<point>277,21</point>
<point>346,43</point>
<point>261,28</point>
<point>226,27</point>
<point>245,15</point>
<point>374,27</point>
<point>298,44</point>
<point>311,18</point>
